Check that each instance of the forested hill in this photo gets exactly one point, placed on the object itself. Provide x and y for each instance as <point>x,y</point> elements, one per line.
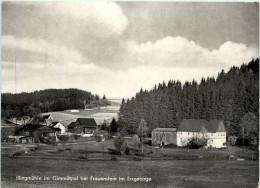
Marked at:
<point>17,105</point>
<point>229,97</point>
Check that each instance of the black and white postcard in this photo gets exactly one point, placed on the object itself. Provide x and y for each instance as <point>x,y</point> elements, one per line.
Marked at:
<point>129,94</point>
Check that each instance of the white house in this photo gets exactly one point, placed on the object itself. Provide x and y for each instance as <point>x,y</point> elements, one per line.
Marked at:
<point>59,126</point>
<point>213,130</point>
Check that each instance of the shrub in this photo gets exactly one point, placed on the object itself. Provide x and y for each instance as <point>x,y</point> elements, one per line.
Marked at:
<point>127,151</point>
<point>124,147</point>
<point>63,138</point>
<point>170,146</point>
<point>196,143</point>
<point>118,142</point>
<point>240,142</point>
<point>113,158</point>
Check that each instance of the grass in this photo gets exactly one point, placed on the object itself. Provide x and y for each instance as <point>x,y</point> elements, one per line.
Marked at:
<point>163,173</point>
<point>206,154</point>
<point>72,160</point>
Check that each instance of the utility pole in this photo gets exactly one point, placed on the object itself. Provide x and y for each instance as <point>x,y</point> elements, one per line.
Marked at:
<point>142,138</point>
<point>142,123</point>
<point>110,131</point>
<point>243,138</point>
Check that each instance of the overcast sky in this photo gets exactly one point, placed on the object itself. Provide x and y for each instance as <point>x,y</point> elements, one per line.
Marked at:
<point>117,48</point>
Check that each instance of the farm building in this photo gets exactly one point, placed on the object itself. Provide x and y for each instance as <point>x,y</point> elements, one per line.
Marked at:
<point>83,126</point>
<point>38,131</point>
<point>19,121</point>
<point>42,120</point>
<point>164,136</point>
<point>59,126</point>
<point>213,130</point>
<point>8,129</point>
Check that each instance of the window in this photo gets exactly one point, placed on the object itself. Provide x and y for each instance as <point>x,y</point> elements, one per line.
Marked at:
<point>188,133</point>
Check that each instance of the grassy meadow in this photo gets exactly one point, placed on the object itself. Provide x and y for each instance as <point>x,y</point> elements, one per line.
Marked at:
<point>167,167</point>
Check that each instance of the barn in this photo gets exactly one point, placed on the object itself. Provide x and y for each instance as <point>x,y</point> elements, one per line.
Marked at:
<point>83,126</point>
<point>164,136</point>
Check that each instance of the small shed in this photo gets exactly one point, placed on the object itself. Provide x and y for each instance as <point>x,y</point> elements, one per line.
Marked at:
<point>164,136</point>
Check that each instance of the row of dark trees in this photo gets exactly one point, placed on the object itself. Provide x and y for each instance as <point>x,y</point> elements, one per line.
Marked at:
<point>229,97</point>
<point>19,105</point>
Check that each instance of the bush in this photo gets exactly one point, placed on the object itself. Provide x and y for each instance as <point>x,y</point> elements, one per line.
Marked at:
<point>196,143</point>
<point>124,147</point>
<point>113,158</point>
<point>76,137</point>
<point>118,142</point>
<point>127,151</point>
<point>63,138</point>
<point>239,142</point>
<point>170,146</point>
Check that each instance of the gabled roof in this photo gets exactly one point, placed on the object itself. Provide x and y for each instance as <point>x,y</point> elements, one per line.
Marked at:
<point>29,127</point>
<point>196,125</point>
<point>54,123</point>
<point>165,130</point>
<point>34,127</point>
<point>45,116</point>
<point>72,124</point>
<point>87,122</point>
<point>38,120</point>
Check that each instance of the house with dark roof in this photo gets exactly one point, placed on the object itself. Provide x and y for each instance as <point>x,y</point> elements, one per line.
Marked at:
<point>213,130</point>
<point>83,126</point>
<point>38,131</point>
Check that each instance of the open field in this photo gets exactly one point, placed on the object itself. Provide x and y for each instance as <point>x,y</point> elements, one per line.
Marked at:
<point>180,173</point>
<point>115,102</point>
<point>99,114</point>
<point>64,118</point>
<point>164,171</point>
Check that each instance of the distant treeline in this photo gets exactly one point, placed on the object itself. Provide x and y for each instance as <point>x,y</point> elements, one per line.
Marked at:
<point>18,105</point>
<point>229,97</point>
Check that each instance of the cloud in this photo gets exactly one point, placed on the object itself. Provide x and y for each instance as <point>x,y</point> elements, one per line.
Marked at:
<point>105,16</point>
<point>100,80</point>
<point>101,19</point>
<point>148,64</point>
<point>41,46</point>
<point>235,54</point>
<point>180,52</point>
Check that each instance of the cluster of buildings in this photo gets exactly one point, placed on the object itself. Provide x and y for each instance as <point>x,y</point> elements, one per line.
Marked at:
<point>213,131</point>
<point>44,129</point>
